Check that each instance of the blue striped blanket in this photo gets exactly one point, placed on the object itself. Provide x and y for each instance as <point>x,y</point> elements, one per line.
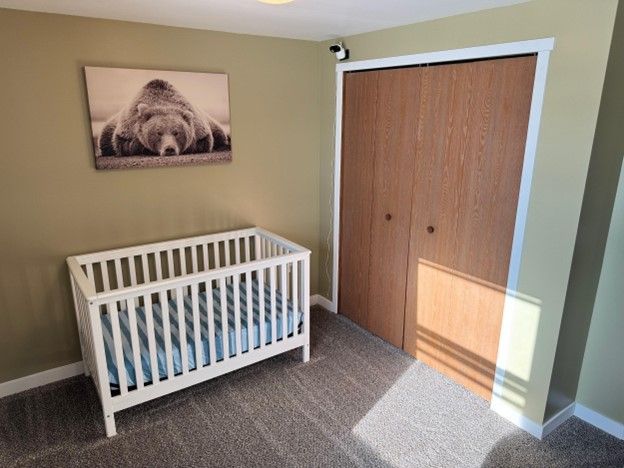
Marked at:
<point>190,338</point>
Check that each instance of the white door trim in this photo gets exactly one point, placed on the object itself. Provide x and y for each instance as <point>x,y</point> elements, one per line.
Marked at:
<point>542,48</point>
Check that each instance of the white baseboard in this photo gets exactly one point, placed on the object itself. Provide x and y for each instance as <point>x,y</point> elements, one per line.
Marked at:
<point>558,419</point>
<point>41,378</point>
<point>513,416</point>
<point>600,421</point>
<point>588,415</point>
<point>322,301</point>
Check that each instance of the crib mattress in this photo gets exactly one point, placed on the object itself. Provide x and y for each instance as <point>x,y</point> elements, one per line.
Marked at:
<point>190,339</point>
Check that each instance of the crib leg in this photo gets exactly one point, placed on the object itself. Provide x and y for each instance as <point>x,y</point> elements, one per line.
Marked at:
<point>305,353</point>
<point>86,369</point>
<point>109,422</point>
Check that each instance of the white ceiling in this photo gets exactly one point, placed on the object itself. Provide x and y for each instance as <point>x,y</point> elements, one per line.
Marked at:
<point>301,19</point>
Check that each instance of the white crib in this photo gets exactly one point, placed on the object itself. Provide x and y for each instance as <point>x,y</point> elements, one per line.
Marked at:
<point>245,297</point>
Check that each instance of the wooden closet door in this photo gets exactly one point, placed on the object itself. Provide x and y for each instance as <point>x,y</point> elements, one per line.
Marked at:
<point>358,138</point>
<point>395,131</point>
<point>470,150</point>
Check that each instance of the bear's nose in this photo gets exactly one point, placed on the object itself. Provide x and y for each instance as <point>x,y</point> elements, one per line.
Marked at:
<point>169,151</point>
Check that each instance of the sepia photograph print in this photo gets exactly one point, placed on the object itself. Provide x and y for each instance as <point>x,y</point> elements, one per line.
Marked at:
<point>154,118</point>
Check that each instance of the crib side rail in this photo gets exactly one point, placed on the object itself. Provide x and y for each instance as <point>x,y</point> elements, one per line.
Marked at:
<point>280,242</point>
<point>257,307</point>
<point>134,266</point>
<point>162,246</point>
<point>80,278</point>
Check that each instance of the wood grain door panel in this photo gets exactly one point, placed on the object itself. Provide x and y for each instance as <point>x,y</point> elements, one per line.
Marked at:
<point>470,150</point>
<point>358,139</point>
<point>395,147</point>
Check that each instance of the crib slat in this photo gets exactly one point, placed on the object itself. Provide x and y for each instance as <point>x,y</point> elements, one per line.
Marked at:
<point>237,314</point>
<point>119,278</point>
<point>237,252</point>
<point>225,327</point>
<point>166,320</point>
<point>194,259</point>
<point>284,293</point>
<point>170,265</point>
<point>273,305</point>
<point>196,324</point>
<point>118,346</point>
<point>158,263</point>
<point>211,323</point>
<point>132,268</point>
<point>205,256</point>
<point>182,252</point>
<point>289,282</point>
<point>118,275</point>
<point>90,272</point>
<point>151,337</point>
<point>227,259</point>
<point>249,303</point>
<point>295,297</point>
<point>105,282</point>
<point>136,346</point>
<point>146,273</point>
<point>257,248</point>
<point>217,254</point>
<point>247,250</point>
<point>261,318</point>
<point>182,329</point>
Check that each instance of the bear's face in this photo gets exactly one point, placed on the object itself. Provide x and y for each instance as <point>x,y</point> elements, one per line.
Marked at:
<point>165,131</point>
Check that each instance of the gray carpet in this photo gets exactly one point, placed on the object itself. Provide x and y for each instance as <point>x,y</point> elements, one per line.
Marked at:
<point>358,402</point>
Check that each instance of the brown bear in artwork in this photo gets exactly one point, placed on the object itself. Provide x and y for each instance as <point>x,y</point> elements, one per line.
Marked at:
<point>161,121</point>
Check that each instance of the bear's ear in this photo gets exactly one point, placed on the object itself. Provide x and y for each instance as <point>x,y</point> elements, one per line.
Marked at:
<point>143,112</point>
<point>188,116</point>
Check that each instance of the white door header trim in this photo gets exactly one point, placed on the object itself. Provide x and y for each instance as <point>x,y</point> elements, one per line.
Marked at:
<point>453,55</point>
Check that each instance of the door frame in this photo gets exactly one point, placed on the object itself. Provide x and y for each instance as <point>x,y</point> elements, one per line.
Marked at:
<point>541,47</point>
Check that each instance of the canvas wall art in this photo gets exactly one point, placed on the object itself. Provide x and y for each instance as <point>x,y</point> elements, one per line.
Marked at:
<point>153,118</point>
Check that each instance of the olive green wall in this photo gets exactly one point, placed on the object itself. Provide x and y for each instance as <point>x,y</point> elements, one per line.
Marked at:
<point>53,203</point>
<point>602,181</point>
<point>582,30</point>
<point>601,385</point>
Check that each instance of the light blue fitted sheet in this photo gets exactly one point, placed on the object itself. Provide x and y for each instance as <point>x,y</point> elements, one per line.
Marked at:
<point>190,339</point>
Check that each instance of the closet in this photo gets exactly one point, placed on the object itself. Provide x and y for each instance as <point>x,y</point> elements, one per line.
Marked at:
<point>431,166</point>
